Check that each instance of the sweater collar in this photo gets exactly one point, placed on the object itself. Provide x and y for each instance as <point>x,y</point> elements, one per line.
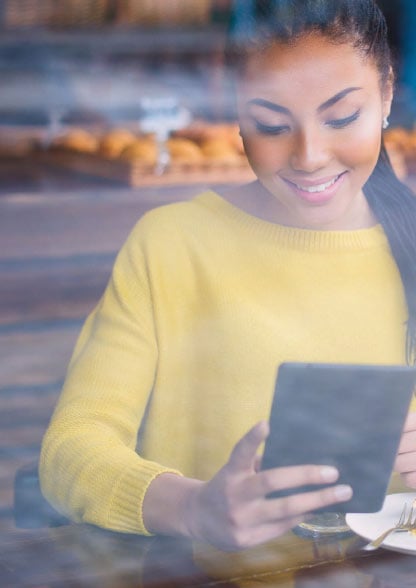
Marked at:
<point>292,237</point>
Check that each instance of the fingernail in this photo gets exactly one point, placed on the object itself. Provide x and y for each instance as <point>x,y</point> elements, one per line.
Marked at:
<point>343,492</point>
<point>329,473</point>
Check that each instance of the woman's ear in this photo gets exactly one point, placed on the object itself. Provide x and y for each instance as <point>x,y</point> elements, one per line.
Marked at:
<point>388,93</point>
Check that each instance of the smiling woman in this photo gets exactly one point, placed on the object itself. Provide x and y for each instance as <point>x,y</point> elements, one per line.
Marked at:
<point>163,412</point>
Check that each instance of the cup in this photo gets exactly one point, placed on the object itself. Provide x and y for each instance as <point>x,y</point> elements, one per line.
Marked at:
<point>325,523</point>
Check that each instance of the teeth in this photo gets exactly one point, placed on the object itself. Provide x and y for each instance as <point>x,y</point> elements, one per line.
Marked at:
<point>321,188</point>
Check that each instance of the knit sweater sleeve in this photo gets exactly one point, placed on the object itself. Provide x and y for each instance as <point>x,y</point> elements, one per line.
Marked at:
<point>89,468</point>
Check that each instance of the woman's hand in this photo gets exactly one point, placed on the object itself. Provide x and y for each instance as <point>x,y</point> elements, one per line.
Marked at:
<point>231,511</point>
<point>406,458</point>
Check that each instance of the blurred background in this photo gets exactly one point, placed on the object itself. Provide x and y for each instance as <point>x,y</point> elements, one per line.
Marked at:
<point>108,108</point>
<point>92,81</point>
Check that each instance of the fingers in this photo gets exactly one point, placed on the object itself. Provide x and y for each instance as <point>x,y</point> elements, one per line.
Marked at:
<point>269,481</point>
<point>410,424</point>
<point>408,442</point>
<point>257,463</point>
<point>297,505</point>
<point>408,472</point>
<point>406,458</point>
<point>406,462</point>
<point>282,514</point>
<point>244,454</point>
<point>233,509</point>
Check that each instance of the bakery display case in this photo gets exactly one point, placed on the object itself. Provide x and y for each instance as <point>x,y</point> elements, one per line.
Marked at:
<point>18,14</point>
<point>211,151</point>
<point>77,74</point>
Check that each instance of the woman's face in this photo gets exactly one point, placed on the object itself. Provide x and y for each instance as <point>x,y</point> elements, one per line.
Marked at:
<point>311,119</point>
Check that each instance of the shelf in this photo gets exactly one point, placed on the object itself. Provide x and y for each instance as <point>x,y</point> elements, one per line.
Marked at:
<point>113,41</point>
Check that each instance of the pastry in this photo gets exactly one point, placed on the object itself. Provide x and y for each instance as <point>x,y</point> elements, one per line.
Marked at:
<point>115,141</point>
<point>219,150</point>
<point>77,140</point>
<point>142,149</point>
<point>184,151</point>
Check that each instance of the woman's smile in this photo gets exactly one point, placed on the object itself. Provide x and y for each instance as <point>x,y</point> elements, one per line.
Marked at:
<point>316,191</point>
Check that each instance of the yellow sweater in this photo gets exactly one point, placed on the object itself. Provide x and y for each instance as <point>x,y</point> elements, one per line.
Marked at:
<point>178,360</point>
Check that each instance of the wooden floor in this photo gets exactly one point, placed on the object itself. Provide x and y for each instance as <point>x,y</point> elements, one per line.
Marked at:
<point>56,252</point>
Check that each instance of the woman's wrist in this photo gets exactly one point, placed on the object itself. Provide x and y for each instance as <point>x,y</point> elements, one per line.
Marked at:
<point>167,506</point>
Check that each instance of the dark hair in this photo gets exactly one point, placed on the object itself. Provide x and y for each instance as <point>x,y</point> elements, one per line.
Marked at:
<point>362,24</point>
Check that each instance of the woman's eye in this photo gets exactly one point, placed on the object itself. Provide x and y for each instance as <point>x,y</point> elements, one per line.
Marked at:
<point>340,123</point>
<point>270,129</point>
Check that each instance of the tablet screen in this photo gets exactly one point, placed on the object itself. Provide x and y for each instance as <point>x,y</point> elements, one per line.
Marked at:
<point>349,416</point>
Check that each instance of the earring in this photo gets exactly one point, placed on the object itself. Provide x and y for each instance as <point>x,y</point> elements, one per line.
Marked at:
<point>385,123</point>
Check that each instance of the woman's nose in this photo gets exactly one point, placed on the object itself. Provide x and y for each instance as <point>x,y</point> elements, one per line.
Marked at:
<point>311,151</point>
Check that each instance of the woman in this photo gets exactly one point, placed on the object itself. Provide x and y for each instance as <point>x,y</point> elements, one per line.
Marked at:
<point>314,261</point>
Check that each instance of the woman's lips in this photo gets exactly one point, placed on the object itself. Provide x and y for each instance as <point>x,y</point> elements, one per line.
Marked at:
<point>317,192</point>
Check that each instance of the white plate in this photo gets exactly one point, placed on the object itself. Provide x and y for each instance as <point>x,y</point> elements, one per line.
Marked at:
<point>371,525</point>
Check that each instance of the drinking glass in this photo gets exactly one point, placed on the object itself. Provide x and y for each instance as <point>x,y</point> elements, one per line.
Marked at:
<point>324,523</point>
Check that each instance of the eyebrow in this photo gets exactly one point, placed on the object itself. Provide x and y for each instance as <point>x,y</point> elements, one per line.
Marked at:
<point>327,104</point>
<point>337,98</point>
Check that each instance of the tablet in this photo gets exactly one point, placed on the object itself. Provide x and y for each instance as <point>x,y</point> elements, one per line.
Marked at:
<point>349,416</point>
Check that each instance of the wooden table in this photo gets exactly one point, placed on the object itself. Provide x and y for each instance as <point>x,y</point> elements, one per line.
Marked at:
<point>83,556</point>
